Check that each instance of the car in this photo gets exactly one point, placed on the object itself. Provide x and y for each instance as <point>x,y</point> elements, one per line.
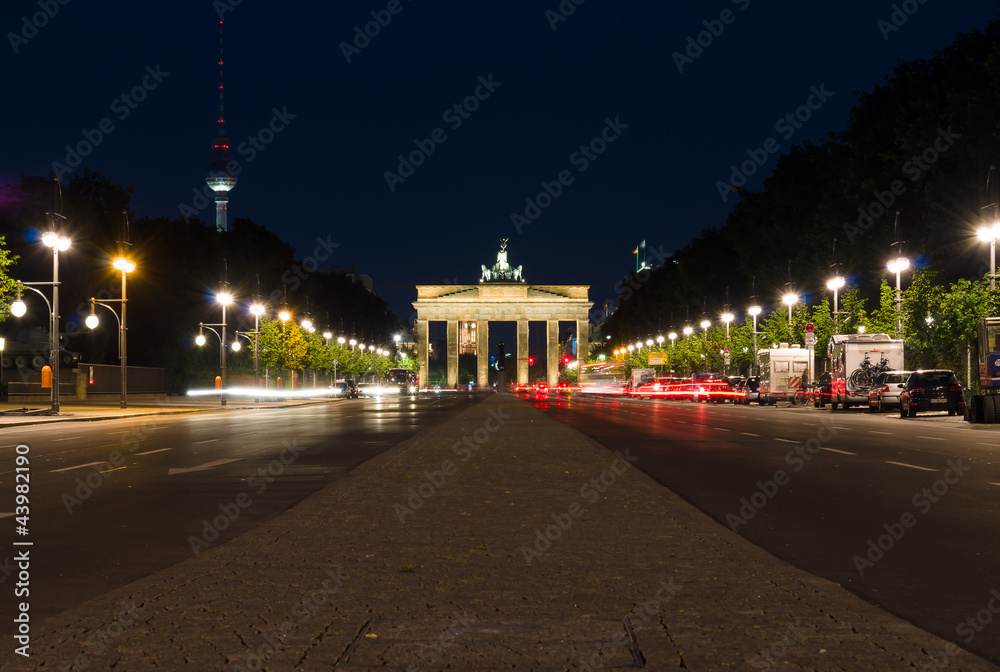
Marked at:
<point>346,388</point>
<point>931,390</point>
<point>368,390</point>
<point>751,391</point>
<point>885,390</point>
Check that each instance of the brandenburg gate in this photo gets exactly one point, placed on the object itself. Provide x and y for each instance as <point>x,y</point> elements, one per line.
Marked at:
<point>501,296</point>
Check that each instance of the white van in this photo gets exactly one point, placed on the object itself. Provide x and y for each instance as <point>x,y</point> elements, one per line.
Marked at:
<point>781,372</point>
<point>855,360</point>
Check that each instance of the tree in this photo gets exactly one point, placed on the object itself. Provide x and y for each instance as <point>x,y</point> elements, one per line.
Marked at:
<point>883,320</point>
<point>7,260</point>
<point>296,348</point>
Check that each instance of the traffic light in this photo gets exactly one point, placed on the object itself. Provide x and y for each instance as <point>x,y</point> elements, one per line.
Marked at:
<point>567,359</point>
<point>531,361</point>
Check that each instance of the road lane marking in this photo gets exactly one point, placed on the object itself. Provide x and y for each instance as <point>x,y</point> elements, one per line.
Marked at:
<point>991,445</point>
<point>6,515</point>
<point>785,440</point>
<point>834,450</point>
<point>932,438</point>
<point>72,438</point>
<point>196,443</point>
<point>722,429</point>
<point>202,467</point>
<point>150,452</point>
<point>911,466</point>
<point>749,434</point>
<point>872,431</point>
<point>996,484</point>
<point>847,428</point>
<point>79,466</point>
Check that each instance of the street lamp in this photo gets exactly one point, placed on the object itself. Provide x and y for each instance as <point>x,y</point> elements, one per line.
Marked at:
<point>897,266</point>
<point>990,234</point>
<point>790,299</point>
<point>705,324</point>
<point>353,343</point>
<point>727,317</point>
<point>58,244</point>
<point>224,298</point>
<point>256,309</point>
<point>754,311</point>
<point>688,331</point>
<point>835,284</point>
<point>126,266</point>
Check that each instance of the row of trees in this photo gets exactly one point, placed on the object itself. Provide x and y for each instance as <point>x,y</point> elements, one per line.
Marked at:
<point>286,346</point>
<point>920,143</point>
<point>180,265</point>
<point>939,324</point>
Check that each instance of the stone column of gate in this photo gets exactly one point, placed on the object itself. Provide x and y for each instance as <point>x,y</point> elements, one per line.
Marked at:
<point>421,329</point>
<point>552,352</point>
<point>483,353</point>
<point>522,352</point>
<point>452,353</point>
<point>582,339</point>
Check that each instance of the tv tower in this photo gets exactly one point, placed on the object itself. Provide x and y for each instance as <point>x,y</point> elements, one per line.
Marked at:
<point>219,180</point>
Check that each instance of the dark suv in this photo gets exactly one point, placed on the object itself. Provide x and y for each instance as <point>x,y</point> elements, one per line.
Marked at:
<point>933,390</point>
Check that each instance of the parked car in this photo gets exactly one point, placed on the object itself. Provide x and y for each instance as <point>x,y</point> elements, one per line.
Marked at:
<point>751,391</point>
<point>932,390</point>
<point>885,390</point>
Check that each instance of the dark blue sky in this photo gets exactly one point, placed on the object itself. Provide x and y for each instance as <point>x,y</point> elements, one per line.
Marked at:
<point>324,173</point>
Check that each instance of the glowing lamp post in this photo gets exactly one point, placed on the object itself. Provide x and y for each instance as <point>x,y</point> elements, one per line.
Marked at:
<point>897,266</point>
<point>754,312</point>
<point>126,266</point>
<point>835,285</point>
<point>727,318</point>
<point>225,299</point>
<point>790,299</point>
<point>989,234</point>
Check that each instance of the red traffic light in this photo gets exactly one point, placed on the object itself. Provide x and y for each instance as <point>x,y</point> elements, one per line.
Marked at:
<point>531,360</point>
<point>567,359</point>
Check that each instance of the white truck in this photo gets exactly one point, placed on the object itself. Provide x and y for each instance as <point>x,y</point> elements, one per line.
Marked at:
<point>781,372</point>
<point>855,360</point>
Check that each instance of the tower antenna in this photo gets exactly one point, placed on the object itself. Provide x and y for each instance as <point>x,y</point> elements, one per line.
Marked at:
<point>220,179</point>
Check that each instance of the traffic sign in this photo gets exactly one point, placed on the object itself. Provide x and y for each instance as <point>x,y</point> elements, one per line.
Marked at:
<point>809,328</point>
<point>810,339</point>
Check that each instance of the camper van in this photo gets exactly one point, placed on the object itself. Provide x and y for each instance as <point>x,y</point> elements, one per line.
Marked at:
<point>781,372</point>
<point>855,360</point>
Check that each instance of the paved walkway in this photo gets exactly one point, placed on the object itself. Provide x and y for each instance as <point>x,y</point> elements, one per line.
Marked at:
<point>498,539</point>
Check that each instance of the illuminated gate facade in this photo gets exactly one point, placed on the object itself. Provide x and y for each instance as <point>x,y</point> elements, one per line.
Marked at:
<point>501,295</point>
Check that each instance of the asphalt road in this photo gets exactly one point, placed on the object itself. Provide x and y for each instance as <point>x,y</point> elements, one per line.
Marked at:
<point>926,489</point>
<point>112,501</point>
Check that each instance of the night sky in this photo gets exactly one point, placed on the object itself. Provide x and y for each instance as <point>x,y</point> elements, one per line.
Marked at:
<point>607,67</point>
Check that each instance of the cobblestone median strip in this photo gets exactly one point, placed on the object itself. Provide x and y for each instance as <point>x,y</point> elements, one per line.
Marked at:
<point>461,555</point>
